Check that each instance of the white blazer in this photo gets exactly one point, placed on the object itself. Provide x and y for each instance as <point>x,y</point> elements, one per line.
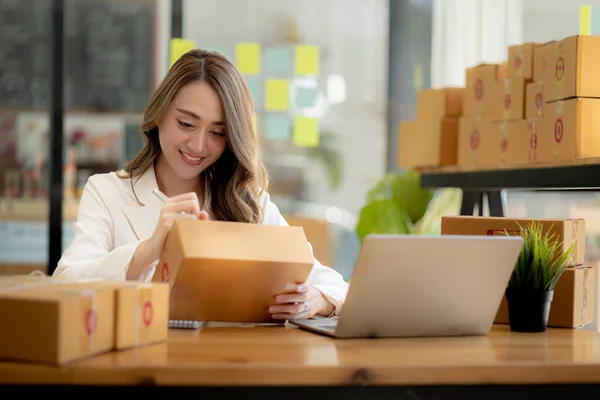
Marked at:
<point>111,223</point>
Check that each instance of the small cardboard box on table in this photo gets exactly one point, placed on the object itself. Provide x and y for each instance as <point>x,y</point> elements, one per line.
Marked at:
<point>56,321</point>
<point>230,271</point>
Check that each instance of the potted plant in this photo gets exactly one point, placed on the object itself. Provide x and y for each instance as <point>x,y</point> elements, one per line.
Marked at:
<point>530,290</point>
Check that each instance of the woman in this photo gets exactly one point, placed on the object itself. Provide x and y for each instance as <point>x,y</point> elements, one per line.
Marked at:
<point>201,152</point>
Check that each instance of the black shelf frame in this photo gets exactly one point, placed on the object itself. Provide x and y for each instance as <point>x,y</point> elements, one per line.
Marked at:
<point>476,185</point>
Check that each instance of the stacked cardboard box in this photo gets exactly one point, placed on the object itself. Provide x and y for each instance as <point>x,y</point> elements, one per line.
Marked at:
<point>573,302</point>
<point>431,139</point>
<point>52,320</point>
<point>515,133</point>
<point>475,139</point>
<point>571,107</point>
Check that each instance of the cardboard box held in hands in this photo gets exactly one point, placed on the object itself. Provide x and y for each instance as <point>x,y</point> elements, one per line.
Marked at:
<point>229,271</point>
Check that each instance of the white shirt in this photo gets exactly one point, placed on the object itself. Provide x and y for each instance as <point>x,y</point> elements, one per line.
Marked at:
<point>111,223</point>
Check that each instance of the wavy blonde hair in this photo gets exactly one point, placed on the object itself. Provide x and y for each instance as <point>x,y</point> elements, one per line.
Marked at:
<point>233,184</point>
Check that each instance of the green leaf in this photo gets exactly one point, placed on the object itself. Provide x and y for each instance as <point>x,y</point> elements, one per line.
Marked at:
<point>406,190</point>
<point>382,216</point>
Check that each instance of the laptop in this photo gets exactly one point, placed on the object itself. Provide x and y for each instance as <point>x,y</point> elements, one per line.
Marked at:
<point>423,286</point>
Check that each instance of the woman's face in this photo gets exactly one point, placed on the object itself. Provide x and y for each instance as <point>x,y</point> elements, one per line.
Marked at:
<point>192,131</point>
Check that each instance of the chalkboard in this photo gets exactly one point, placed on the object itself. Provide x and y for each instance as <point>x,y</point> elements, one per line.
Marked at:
<point>109,54</point>
<point>24,53</point>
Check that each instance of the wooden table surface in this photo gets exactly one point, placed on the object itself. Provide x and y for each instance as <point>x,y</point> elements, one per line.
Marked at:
<point>285,355</point>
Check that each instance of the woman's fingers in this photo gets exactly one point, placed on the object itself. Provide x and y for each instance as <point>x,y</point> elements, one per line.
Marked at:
<point>185,206</point>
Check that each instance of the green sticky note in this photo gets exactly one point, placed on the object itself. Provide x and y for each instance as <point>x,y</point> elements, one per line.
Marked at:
<point>278,127</point>
<point>306,132</point>
<point>306,97</point>
<point>247,58</point>
<point>278,60</point>
<point>254,88</point>
<point>278,95</point>
<point>220,49</point>
<point>307,60</point>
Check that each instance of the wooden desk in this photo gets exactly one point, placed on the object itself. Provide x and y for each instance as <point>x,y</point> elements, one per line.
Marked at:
<point>279,356</point>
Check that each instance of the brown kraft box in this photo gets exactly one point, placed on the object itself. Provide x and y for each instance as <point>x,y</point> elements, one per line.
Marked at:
<point>428,143</point>
<point>475,141</point>
<point>539,61</point>
<point>141,311</point>
<point>522,137</point>
<point>573,301</point>
<point>54,324</point>
<point>509,100</point>
<point>440,103</point>
<point>478,98</point>
<point>534,100</point>
<point>222,271</point>
<point>520,61</point>
<point>568,232</point>
<point>572,68</point>
<point>569,130</point>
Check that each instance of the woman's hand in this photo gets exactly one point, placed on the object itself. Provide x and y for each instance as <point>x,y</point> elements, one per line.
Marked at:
<point>184,206</point>
<point>304,303</point>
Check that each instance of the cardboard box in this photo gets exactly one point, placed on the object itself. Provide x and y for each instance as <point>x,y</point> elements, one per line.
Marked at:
<point>568,232</point>
<point>569,130</point>
<point>573,302</point>
<point>141,311</point>
<point>520,61</point>
<point>539,62</point>
<point>231,272</point>
<point>478,98</point>
<point>428,143</point>
<point>509,100</point>
<point>475,141</point>
<point>439,103</point>
<point>572,68</point>
<point>522,137</point>
<point>534,100</point>
<point>55,324</point>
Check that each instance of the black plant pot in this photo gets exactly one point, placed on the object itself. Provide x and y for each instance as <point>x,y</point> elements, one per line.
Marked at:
<point>528,310</point>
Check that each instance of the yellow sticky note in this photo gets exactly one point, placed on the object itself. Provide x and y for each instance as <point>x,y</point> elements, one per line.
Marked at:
<point>247,58</point>
<point>278,94</point>
<point>306,132</point>
<point>307,60</point>
<point>585,19</point>
<point>179,47</point>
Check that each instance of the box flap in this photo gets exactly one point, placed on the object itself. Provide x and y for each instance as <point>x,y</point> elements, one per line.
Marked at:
<point>242,241</point>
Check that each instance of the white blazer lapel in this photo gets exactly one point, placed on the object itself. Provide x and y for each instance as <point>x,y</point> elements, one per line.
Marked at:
<point>143,212</point>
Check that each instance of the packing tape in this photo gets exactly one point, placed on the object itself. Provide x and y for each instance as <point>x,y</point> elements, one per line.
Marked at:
<point>532,139</point>
<point>93,314</point>
<point>560,111</point>
<point>503,141</point>
<point>539,102</point>
<point>507,100</point>
<point>519,61</point>
<point>559,70</point>
<point>584,299</point>
<point>574,244</point>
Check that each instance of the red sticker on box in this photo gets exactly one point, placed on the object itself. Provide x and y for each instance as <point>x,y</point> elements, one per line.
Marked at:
<point>474,140</point>
<point>533,141</point>
<point>478,89</point>
<point>558,130</point>
<point>507,101</point>
<point>147,313</point>
<point>560,68</point>
<point>91,322</point>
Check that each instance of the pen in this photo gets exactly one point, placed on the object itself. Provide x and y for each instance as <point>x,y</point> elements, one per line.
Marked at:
<point>162,196</point>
